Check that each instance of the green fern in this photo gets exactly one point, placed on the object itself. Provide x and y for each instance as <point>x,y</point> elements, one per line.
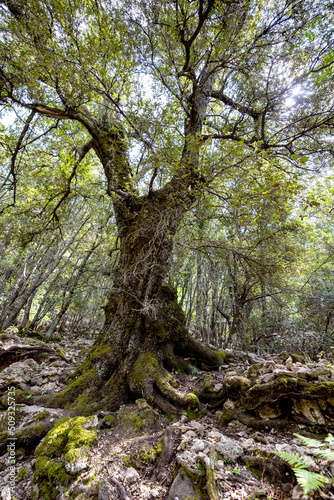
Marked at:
<point>310,443</point>
<point>326,453</point>
<point>309,481</point>
<point>295,460</point>
<point>330,439</point>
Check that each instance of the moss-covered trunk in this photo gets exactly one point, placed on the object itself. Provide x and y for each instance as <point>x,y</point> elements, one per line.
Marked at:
<point>144,336</point>
<point>144,333</point>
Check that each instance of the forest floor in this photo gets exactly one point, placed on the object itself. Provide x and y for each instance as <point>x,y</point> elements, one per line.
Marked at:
<point>138,453</point>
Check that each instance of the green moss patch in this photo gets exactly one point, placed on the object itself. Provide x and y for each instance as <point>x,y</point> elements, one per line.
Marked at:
<point>70,436</point>
<point>22,474</point>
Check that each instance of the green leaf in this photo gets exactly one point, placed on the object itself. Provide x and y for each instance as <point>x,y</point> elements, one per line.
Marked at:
<point>303,160</point>
<point>295,156</point>
<point>330,439</point>
<point>310,481</point>
<point>311,443</point>
<point>294,459</point>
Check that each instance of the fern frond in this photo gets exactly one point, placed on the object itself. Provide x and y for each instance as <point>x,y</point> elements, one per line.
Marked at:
<point>310,481</point>
<point>295,460</point>
<point>311,443</point>
<point>326,453</point>
<point>330,439</point>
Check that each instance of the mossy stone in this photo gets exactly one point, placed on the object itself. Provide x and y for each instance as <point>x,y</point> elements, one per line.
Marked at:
<point>56,439</point>
<point>22,474</point>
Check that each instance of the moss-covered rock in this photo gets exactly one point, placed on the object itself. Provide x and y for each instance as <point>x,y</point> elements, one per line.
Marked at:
<point>55,441</point>
<point>22,474</point>
<point>253,371</point>
<point>72,436</point>
<point>147,455</point>
<point>108,422</point>
<point>49,476</point>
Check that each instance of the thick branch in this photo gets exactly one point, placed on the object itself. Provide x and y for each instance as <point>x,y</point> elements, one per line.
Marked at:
<point>218,94</point>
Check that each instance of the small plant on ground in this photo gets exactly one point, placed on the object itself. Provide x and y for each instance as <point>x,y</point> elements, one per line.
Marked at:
<point>309,481</point>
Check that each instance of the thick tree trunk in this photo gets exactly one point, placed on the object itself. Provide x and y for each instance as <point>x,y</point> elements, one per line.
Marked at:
<point>144,336</point>
<point>145,332</point>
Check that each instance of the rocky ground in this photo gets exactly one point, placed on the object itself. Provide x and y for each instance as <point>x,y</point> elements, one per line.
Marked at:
<point>136,453</point>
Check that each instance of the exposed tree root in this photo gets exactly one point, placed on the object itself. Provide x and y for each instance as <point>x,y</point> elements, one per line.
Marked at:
<point>285,402</point>
<point>20,352</point>
<point>210,486</point>
<point>167,452</point>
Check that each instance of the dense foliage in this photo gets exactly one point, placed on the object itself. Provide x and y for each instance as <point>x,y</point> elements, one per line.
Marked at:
<point>253,254</point>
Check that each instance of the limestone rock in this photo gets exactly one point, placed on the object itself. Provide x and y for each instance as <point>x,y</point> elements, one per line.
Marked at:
<point>298,494</point>
<point>247,443</point>
<point>22,371</point>
<point>78,465</point>
<point>268,367</point>
<point>310,409</point>
<point>182,488</point>
<point>198,445</point>
<point>318,371</point>
<point>283,372</point>
<point>215,434</point>
<point>283,447</point>
<point>268,377</point>
<point>5,493</point>
<point>104,491</point>
<point>131,475</point>
<point>91,423</point>
<point>197,427</point>
<point>189,435</point>
<point>228,448</point>
<point>267,412</point>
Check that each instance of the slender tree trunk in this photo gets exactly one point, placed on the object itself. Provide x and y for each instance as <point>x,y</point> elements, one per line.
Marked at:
<point>27,311</point>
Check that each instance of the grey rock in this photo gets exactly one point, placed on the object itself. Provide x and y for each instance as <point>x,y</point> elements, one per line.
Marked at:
<point>254,358</point>
<point>197,427</point>
<point>103,492</point>
<point>37,381</point>
<point>317,371</point>
<point>131,475</point>
<point>5,493</point>
<point>279,372</point>
<point>302,373</point>
<point>268,377</point>
<point>215,434</point>
<point>268,367</point>
<point>22,371</point>
<point>298,494</point>
<point>283,447</point>
<point>228,448</point>
<point>79,465</point>
<point>91,423</point>
<point>189,435</point>
<point>247,443</point>
<point>198,445</point>
<point>27,415</point>
<point>25,387</point>
<point>310,410</point>
<point>182,488</point>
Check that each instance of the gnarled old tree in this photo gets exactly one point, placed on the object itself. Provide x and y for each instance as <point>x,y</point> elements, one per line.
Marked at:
<point>188,87</point>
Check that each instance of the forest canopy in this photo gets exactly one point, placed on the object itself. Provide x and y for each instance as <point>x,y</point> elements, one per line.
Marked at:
<point>169,162</point>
